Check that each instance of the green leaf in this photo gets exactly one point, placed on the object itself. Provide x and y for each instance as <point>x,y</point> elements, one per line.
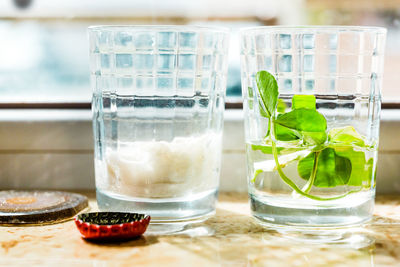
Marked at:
<point>314,138</point>
<point>332,169</point>
<point>285,134</point>
<point>303,120</point>
<point>250,102</point>
<point>267,149</point>
<point>264,149</point>
<point>268,90</point>
<point>256,173</point>
<point>346,135</point>
<point>361,170</point>
<point>304,101</point>
<point>262,111</point>
<point>281,106</point>
<point>306,123</point>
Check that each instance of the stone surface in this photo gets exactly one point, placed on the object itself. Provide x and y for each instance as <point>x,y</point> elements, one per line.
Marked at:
<point>231,238</point>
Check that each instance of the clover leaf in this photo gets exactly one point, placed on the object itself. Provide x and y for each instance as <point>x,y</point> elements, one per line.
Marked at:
<point>332,169</point>
<point>304,101</point>
<point>346,135</point>
<point>250,102</point>
<point>361,171</point>
<point>305,123</point>
<point>268,90</point>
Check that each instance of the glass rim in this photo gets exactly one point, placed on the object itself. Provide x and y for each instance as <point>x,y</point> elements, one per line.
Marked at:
<point>177,28</point>
<point>314,28</point>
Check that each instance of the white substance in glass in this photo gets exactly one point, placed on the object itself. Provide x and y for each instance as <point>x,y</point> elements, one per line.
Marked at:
<point>165,169</point>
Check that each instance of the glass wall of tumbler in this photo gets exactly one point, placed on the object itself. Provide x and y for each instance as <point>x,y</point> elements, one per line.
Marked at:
<point>312,101</point>
<point>158,105</point>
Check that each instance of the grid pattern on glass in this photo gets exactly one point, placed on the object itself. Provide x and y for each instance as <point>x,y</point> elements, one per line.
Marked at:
<point>157,114</point>
<point>316,60</point>
<point>161,61</point>
<point>141,75</point>
<point>344,63</point>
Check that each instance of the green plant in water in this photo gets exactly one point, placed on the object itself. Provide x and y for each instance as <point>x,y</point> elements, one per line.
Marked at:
<point>333,160</point>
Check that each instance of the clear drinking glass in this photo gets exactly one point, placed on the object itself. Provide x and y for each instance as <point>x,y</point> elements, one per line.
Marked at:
<point>158,107</point>
<point>312,137</point>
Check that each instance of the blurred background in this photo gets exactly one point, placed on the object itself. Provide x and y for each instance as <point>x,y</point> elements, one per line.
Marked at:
<point>43,43</point>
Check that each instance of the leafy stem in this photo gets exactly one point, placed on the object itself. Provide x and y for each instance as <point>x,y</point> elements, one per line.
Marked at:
<point>256,173</point>
<point>290,183</point>
<point>310,182</point>
<point>333,157</point>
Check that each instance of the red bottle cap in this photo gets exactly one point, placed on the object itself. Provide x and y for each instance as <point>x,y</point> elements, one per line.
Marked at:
<point>111,225</point>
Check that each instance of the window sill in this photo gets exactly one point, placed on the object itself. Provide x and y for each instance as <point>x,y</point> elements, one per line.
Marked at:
<point>54,149</point>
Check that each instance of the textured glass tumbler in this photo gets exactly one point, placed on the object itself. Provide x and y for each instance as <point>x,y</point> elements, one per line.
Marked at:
<point>158,107</point>
<point>312,137</point>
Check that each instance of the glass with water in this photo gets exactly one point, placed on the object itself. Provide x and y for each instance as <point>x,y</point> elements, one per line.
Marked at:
<point>158,107</point>
<point>312,104</point>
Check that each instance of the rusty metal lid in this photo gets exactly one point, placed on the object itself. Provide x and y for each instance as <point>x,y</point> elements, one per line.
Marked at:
<point>39,207</point>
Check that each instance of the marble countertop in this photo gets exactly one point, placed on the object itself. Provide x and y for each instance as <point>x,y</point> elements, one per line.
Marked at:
<point>230,238</point>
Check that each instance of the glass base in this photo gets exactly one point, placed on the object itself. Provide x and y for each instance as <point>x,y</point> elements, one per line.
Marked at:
<point>191,209</point>
<point>270,212</point>
<point>345,237</point>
